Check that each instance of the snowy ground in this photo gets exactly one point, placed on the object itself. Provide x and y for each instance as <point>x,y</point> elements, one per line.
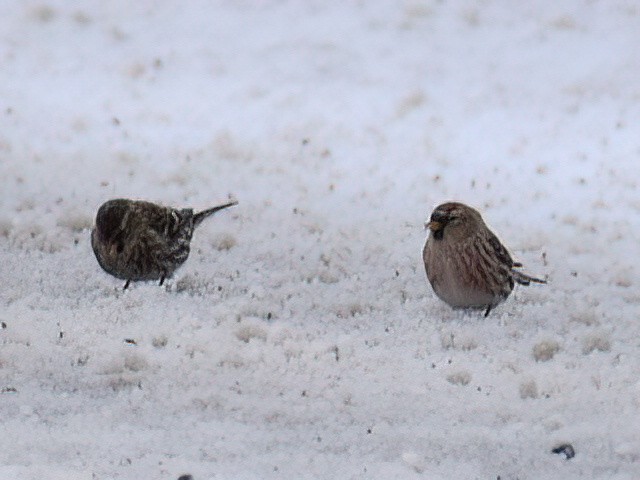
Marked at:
<point>301,339</point>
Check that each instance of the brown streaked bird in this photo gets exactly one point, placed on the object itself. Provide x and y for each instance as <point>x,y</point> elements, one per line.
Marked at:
<point>465,262</point>
<point>137,240</point>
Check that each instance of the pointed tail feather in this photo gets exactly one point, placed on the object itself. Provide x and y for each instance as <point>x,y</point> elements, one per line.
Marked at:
<point>524,279</point>
<point>200,216</point>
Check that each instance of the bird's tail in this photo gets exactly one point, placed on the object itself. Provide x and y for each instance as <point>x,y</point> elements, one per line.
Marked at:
<point>524,279</point>
<point>200,216</point>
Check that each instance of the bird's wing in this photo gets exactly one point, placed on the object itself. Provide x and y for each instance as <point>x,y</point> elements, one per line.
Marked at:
<point>501,252</point>
<point>160,221</point>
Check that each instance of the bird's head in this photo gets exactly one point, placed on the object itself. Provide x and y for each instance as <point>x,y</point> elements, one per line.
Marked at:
<point>110,218</point>
<point>454,220</point>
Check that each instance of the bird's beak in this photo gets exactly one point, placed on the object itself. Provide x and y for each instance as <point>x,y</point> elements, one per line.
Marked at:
<point>433,226</point>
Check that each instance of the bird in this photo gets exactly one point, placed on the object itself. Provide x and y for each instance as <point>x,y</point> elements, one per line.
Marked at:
<point>136,240</point>
<point>466,264</point>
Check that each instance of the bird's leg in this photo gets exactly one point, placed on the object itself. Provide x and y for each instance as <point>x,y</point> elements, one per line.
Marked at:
<point>126,285</point>
<point>161,280</point>
<point>486,314</point>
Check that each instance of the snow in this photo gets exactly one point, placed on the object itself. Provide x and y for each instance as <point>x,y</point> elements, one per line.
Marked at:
<point>301,339</point>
